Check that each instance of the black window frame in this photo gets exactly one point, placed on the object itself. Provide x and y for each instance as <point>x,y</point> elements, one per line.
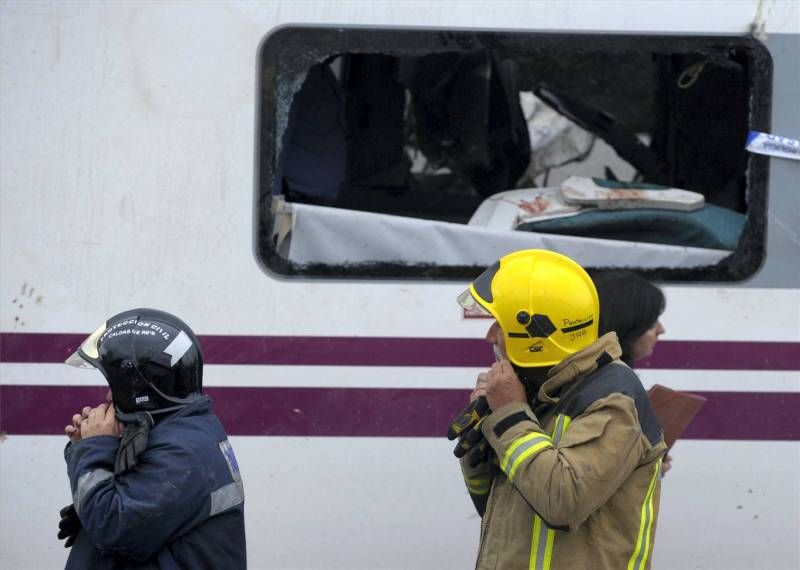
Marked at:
<point>287,52</point>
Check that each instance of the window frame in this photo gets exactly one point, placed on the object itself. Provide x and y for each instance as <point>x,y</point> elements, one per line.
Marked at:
<point>287,52</point>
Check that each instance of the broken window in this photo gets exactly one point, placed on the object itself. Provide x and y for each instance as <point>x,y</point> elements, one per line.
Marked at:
<point>420,153</point>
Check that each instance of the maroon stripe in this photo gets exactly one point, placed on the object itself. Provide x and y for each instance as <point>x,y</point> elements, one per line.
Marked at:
<point>724,355</point>
<point>388,351</point>
<point>378,412</point>
<point>747,416</point>
<point>38,347</point>
<point>279,350</point>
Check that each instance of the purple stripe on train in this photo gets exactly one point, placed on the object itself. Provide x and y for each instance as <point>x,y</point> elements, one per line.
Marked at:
<point>377,412</point>
<point>389,351</point>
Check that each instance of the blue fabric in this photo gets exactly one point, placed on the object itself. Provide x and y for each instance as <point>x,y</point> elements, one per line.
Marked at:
<point>314,157</point>
<point>158,514</point>
<point>711,226</point>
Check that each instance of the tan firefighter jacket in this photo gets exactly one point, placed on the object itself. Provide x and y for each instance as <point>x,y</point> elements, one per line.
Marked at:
<point>576,484</point>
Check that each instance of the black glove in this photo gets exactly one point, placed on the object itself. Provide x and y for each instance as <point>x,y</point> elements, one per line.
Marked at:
<point>466,427</point>
<point>468,417</point>
<point>134,439</point>
<point>479,453</point>
<point>69,526</point>
<point>469,439</point>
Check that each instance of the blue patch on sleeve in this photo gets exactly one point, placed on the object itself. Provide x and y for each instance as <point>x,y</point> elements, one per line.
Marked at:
<point>227,452</point>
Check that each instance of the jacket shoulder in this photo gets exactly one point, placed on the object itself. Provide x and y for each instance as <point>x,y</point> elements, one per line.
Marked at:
<point>615,378</point>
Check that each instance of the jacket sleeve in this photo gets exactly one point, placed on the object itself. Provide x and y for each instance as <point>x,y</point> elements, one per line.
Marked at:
<point>479,480</point>
<point>134,514</point>
<point>566,482</point>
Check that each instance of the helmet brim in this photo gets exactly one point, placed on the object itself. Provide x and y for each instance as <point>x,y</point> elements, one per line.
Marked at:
<point>471,305</point>
<point>88,353</point>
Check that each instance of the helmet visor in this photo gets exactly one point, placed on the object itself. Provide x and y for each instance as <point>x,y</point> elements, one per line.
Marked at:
<point>88,354</point>
<point>471,306</point>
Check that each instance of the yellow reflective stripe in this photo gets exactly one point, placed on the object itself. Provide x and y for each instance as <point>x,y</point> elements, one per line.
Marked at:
<point>642,550</point>
<point>478,485</point>
<point>478,480</point>
<point>481,491</point>
<point>562,423</point>
<point>535,542</point>
<point>541,545</point>
<point>525,453</point>
<point>649,531</point>
<point>544,536</point>
<point>531,444</point>
<point>548,553</point>
<point>520,444</point>
<point>514,445</point>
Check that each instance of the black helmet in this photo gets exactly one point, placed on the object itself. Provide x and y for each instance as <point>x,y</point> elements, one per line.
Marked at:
<point>150,359</point>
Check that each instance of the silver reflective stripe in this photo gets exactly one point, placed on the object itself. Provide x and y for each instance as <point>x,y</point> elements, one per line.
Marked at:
<point>86,483</point>
<point>542,549</point>
<point>226,497</point>
<point>559,429</point>
<point>545,534</point>
<point>524,447</point>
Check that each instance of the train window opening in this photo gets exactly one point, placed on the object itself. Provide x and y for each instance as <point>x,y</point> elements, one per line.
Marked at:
<point>426,154</point>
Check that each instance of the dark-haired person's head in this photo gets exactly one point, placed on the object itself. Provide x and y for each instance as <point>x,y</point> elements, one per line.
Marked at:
<point>630,305</point>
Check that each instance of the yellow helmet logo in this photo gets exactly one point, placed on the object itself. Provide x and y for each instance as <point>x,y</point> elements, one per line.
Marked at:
<point>544,302</point>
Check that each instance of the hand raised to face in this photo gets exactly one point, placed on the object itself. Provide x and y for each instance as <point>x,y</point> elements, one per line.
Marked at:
<point>480,386</point>
<point>101,420</point>
<point>503,386</point>
<point>73,431</point>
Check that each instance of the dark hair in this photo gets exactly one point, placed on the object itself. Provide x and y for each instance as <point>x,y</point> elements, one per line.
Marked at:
<point>629,305</point>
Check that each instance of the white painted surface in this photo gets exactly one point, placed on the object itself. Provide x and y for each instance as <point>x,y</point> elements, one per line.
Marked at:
<point>450,378</point>
<point>103,127</point>
<point>126,179</point>
<point>385,503</point>
<point>730,506</point>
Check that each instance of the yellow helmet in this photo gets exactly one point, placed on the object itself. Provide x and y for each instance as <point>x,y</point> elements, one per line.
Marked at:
<point>545,303</point>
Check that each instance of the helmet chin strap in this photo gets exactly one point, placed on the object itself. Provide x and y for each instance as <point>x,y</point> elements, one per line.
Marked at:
<point>179,402</point>
<point>133,441</point>
<point>137,425</point>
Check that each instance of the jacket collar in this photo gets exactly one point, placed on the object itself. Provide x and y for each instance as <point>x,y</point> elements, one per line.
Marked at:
<point>200,406</point>
<point>577,366</point>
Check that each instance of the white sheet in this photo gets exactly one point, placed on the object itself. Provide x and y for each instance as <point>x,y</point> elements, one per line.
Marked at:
<point>318,234</point>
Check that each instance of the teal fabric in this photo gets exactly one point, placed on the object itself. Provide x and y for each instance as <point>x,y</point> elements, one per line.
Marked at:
<point>603,183</point>
<point>711,226</point>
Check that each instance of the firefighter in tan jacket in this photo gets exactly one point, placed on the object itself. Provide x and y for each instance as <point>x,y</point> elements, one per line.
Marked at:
<point>567,473</point>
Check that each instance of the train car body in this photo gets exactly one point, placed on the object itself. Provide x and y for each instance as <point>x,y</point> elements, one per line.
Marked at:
<point>140,145</point>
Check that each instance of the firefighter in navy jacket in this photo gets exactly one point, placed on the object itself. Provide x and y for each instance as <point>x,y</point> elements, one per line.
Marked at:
<point>154,480</point>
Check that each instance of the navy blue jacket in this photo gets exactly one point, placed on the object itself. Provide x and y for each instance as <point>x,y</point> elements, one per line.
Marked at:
<point>181,506</point>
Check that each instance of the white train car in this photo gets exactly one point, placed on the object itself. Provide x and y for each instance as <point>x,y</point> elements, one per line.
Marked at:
<point>292,179</point>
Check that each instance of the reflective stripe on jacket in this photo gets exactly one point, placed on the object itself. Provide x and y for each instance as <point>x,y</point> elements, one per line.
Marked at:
<point>576,486</point>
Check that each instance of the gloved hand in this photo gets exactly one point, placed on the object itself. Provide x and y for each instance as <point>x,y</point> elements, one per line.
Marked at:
<point>468,417</point>
<point>134,440</point>
<point>69,526</point>
<point>469,439</point>
<point>467,427</point>
<point>480,453</point>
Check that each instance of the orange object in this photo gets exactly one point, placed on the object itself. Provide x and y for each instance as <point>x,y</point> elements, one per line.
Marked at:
<point>675,410</point>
